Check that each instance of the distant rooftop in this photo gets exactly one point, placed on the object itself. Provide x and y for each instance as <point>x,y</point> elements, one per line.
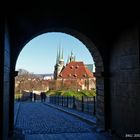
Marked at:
<point>90,67</point>
<point>76,70</point>
<point>44,75</point>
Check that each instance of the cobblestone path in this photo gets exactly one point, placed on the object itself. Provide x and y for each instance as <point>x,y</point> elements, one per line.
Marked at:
<point>41,122</point>
<point>36,118</point>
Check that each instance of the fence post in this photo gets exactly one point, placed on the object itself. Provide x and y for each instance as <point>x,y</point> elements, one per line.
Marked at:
<point>94,112</point>
<point>54,100</point>
<point>74,102</point>
<point>67,101</point>
<point>82,104</point>
<point>88,108</point>
<point>62,100</point>
<point>58,99</point>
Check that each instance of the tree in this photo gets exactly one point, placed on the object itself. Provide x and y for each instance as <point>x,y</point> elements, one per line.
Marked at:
<point>29,81</point>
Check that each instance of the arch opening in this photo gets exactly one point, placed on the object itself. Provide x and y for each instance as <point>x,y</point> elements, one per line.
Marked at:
<point>98,71</point>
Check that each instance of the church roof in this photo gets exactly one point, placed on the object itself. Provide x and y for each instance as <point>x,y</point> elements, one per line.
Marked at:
<point>76,70</point>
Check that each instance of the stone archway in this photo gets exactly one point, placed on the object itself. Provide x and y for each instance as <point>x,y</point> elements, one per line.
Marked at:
<point>100,111</point>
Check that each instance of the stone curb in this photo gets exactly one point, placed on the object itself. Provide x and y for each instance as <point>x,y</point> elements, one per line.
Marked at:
<point>91,122</point>
<point>15,118</point>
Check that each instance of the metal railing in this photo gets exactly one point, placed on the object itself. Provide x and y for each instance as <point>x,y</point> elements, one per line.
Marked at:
<point>84,104</point>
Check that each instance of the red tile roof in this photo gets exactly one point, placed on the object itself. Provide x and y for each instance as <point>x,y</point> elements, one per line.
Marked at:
<point>76,70</point>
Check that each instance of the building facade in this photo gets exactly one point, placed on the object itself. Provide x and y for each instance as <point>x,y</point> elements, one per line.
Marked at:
<point>74,74</point>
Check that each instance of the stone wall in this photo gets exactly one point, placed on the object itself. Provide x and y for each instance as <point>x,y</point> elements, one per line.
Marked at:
<point>6,91</point>
<point>1,76</point>
<point>125,83</point>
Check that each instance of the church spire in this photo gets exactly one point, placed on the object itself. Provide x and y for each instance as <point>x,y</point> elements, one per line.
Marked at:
<point>68,60</point>
<point>62,54</point>
<point>57,57</point>
<point>72,58</point>
<point>59,53</point>
<point>71,53</point>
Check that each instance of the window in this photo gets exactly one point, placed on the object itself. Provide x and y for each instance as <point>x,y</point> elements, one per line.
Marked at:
<point>77,67</point>
<point>71,67</point>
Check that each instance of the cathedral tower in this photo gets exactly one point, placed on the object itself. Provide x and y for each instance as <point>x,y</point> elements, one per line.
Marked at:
<point>59,63</point>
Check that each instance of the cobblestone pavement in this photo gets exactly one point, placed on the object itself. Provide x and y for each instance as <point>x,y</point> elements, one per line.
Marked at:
<point>84,116</point>
<point>16,109</point>
<point>40,122</point>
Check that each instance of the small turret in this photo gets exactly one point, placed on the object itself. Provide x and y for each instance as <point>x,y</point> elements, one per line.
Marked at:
<point>72,57</point>
<point>57,58</point>
<point>68,59</point>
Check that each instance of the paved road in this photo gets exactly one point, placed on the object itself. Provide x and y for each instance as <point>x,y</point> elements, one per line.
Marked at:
<point>40,122</point>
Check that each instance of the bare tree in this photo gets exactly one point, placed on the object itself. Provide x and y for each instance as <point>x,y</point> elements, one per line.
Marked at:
<point>29,81</point>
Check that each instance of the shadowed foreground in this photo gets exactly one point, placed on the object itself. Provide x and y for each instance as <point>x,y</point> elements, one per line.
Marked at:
<point>36,121</point>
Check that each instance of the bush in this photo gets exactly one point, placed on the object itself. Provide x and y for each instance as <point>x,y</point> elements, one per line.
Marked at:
<point>70,93</point>
<point>18,95</point>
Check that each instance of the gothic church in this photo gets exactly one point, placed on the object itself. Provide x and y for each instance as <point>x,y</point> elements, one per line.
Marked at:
<point>74,72</point>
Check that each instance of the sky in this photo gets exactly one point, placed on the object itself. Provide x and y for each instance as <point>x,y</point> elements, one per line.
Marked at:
<point>39,55</point>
